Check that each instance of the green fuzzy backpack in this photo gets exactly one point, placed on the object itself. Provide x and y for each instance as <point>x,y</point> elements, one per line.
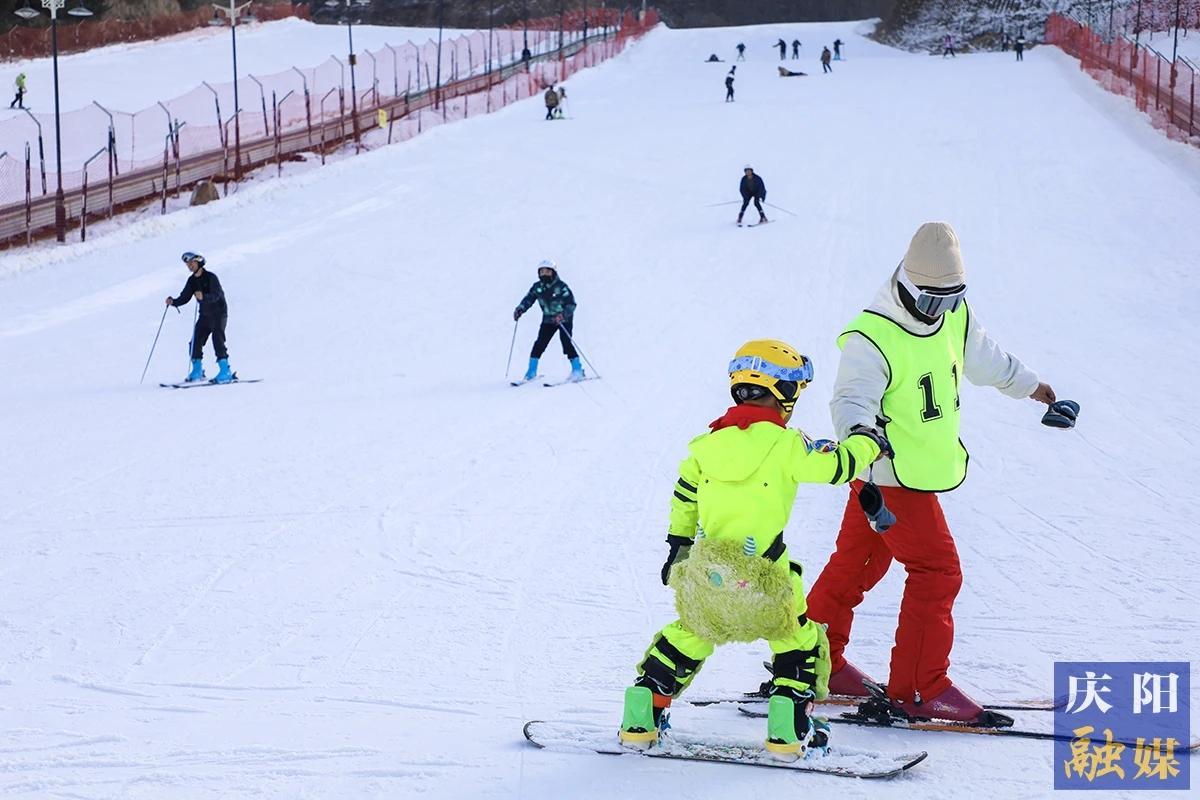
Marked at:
<point>725,595</point>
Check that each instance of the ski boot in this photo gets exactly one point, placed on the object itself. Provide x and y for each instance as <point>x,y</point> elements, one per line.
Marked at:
<point>531,373</point>
<point>739,222</point>
<point>576,371</point>
<point>197,373</point>
<point>224,375</point>
<point>762,218</point>
<point>790,728</point>
<point>952,705</point>
<point>645,717</point>
<point>848,681</point>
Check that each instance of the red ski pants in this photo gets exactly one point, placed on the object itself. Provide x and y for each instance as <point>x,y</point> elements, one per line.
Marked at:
<point>921,541</point>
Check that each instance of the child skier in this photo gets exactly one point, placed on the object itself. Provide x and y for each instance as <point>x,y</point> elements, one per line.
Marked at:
<point>18,100</point>
<point>558,314</point>
<point>751,187</point>
<point>728,563</point>
<point>214,312</point>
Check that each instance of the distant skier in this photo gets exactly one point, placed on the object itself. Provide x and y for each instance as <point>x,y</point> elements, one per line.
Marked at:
<point>1019,46</point>
<point>825,56</point>
<point>782,45</point>
<point>561,110</point>
<point>752,188</point>
<point>729,84</point>
<point>795,49</point>
<point>19,90</point>
<point>551,98</point>
<point>741,48</point>
<point>904,360</point>
<point>948,46</point>
<point>734,585</point>
<point>837,49</point>
<point>558,315</point>
<point>712,59</point>
<point>214,313</point>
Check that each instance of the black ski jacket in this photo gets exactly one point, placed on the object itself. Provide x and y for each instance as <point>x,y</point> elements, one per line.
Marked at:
<point>213,305</point>
<point>753,187</point>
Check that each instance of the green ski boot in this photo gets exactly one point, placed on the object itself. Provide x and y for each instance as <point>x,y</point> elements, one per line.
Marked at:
<point>637,727</point>
<point>790,731</point>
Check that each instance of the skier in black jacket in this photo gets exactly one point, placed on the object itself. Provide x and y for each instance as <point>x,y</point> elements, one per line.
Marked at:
<point>752,188</point>
<point>214,312</point>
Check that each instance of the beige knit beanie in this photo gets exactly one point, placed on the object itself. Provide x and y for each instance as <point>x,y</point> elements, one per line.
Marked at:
<point>934,258</point>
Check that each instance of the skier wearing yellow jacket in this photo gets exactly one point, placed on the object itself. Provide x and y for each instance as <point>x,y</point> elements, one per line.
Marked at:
<point>728,563</point>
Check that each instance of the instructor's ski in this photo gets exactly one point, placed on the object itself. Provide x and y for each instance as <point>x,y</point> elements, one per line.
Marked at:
<point>943,726</point>
<point>846,762</point>
<point>757,698</point>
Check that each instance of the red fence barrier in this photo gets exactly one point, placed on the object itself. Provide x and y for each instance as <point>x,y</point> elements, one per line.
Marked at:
<point>125,159</point>
<point>28,41</point>
<point>1165,91</point>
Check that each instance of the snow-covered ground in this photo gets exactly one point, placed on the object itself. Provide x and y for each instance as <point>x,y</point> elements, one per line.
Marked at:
<point>360,576</point>
<point>133,76</point>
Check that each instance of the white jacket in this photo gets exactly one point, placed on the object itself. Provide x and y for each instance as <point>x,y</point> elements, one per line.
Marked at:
<point>863,375</point>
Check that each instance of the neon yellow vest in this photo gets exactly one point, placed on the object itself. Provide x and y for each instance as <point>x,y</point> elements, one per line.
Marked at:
<point>919,409</point>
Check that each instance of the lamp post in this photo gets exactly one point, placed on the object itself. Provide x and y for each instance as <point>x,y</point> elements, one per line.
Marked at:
<point>27,13</point>
<point>232,12</point>
<point>437,87</point>
<point>349,6</point>
<point>1175,49</point>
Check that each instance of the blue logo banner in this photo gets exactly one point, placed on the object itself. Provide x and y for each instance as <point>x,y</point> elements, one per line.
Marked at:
<point>1126,725</point>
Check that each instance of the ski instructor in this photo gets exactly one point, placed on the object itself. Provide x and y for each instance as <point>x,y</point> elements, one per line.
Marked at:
<point>902,362</point>
<point>204,286</point>
<point>752,188</point>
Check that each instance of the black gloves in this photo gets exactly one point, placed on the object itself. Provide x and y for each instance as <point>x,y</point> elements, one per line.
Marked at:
<point>885,447</point>
<point>1061,414</point>
<point>680,545</point>
<point>870,499</point>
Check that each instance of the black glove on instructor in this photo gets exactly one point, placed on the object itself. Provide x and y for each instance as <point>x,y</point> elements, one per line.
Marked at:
<point>680,546</point>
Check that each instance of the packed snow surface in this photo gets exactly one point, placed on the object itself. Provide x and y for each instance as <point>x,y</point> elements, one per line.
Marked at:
<point>359,577</point>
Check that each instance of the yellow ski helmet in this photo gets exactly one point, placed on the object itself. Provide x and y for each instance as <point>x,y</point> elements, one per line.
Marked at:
<point>769,366</point>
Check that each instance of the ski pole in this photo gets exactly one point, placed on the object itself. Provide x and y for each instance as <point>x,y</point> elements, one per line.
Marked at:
<point>714,205</point>
<point>566,333</point>
<point>160,324</point>
<point>784,210</point>
<point>508,366</point>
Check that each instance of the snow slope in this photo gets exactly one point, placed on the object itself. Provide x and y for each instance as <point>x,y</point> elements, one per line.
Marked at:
<point>359,577</point>
<point>134,76</point>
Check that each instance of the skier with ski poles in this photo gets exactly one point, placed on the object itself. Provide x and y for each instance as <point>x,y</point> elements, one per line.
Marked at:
<point>727,561</point>
<point>741,48</point>
<point>558,315</point>
<point>837,49</point>
<point>795,49</point>
<point>214,313</point>
<point>752,187</point>
<point>903,361</point>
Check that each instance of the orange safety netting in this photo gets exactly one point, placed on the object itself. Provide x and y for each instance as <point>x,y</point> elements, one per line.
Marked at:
<point>1164,90</point>
<point>300,108</point>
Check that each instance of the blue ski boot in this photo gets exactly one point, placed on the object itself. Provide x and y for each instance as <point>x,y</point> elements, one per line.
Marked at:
<point>576,371</point>
<point>531,373</point>
<point>197,373</point>
<point>225,375</point>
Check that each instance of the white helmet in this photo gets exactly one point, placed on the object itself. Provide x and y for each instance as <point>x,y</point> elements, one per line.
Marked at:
<point>547,263</point>
<point>747,167</point>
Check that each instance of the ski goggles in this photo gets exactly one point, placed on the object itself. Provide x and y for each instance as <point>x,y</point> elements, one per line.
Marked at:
<point>932,302</point>
<point>801,374</point>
